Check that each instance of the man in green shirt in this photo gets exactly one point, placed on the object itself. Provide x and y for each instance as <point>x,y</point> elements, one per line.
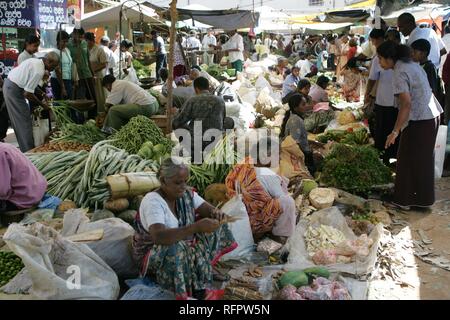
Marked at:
<point>84,88</point>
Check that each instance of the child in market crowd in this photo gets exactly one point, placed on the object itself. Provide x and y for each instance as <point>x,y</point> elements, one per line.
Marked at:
<point>318,91</point>
<point>352,82</point>
<point>420,51</point>
<point>303,88</point>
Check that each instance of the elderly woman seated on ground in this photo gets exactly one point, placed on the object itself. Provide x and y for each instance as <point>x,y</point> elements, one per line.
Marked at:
<point>270,208</point>
<point>171,243</point>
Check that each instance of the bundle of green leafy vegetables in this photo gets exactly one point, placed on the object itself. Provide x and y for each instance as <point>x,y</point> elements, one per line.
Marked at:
<point>87,133</point>
<point>141,70</point>
<point>215,71</point>
<point>354,169</point>
<point>318,121</point>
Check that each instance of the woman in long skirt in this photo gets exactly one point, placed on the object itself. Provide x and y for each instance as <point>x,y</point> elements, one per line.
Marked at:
<point>418,121</point>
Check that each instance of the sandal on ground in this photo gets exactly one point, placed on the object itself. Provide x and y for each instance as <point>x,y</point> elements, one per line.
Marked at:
<point>391,205</point>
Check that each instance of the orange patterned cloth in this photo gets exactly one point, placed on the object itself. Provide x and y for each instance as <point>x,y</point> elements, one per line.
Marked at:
<point>262,209</point>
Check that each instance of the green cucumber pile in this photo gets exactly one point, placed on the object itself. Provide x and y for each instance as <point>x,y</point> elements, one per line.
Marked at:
<point>10,266</point>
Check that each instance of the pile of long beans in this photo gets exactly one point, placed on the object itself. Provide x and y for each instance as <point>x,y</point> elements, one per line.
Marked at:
<point>136,132</point>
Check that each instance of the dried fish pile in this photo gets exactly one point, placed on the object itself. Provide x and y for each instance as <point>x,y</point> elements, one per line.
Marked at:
<point>243,288</point>
<point>392,258</point>
<point>426,254</point>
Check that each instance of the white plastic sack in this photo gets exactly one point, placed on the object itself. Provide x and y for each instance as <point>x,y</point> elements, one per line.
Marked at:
<point>241,229</point>
<point>439,151</point>
<point>250,97</point>
<point>233,109</point>
<point>262,83</point>
<point>298,254</point>
<point>40,131</point>
<point>132,76</point>
<point>61,269</point>
<point>115,246</point>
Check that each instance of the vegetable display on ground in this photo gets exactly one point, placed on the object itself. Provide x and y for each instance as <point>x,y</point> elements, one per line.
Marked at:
<point>136,132</point>
<point>354,169</point>
<point>87,133</point>
<point>81,176</point>
<point>10,266</point>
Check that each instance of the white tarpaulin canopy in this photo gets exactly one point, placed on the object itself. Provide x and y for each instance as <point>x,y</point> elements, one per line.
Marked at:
<point>271,19</point>
<point>321,26</point>
<point>110,15</point>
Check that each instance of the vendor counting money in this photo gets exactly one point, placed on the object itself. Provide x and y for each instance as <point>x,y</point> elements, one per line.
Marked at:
<point>125,101</point>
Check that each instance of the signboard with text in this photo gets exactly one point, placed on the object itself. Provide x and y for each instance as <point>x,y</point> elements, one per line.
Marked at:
<point>50,13</point>
<point>41,14</point>
<point>17,13</point>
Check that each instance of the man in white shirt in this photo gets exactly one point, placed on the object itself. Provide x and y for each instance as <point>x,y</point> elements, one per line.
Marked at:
<point>304,65</point>
<point>18,88</point>
<point>235,49</point>
<point>191,46</point>
<point>209,42</point>
<point>104,44</point>
<point>125,101</point>
<point>407,26</point>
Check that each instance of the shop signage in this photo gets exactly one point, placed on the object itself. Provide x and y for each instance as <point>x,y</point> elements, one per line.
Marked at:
<point>41,14</point>
<point>17,13</point>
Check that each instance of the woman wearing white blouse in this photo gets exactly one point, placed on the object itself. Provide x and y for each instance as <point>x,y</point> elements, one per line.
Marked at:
<point>418,121</point>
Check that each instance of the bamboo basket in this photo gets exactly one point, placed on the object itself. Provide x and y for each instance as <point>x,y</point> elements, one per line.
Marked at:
<point>128,185</point>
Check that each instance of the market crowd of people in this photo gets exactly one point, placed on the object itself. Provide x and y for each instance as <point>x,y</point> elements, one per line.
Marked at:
<point>397,81</point>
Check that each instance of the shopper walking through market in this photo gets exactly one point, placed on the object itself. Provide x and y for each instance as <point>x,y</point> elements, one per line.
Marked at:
<point>418,121</point>
<point>61,78</point>
<point>104,45</point>
<point>125,63</point>
<point>171,244</point>
<point>381,88</point>
<point>99,61</point>
<point>209,42</point>
<point>235,49</point>
<point>125,101</point>
<point>18,88</point>
<point>32,43</point>
<point>160,50</point>
<point>84,87</point>
<point>407,26</point>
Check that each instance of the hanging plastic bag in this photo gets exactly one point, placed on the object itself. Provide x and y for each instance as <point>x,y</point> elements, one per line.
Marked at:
<point>40,131</point>
<point>439,151</point>
<point>132,76</point>
<point>59,268</point>
<point>241,229</point>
